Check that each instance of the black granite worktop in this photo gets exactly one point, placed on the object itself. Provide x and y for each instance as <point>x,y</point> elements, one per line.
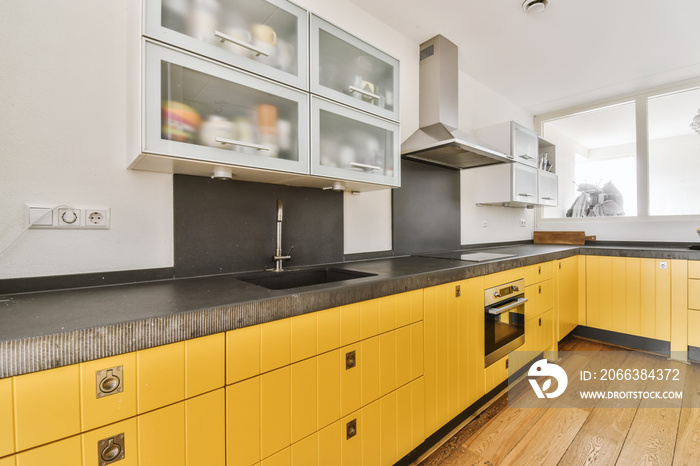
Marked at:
<point>54,328</point>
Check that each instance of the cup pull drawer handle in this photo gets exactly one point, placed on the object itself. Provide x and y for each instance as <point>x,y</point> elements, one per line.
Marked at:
<point>226,38</point>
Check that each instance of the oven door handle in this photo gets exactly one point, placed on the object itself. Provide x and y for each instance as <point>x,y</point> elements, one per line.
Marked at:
<point>500,310</point>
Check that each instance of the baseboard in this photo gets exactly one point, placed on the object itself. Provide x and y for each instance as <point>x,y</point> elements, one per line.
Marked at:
<point>622,339</point>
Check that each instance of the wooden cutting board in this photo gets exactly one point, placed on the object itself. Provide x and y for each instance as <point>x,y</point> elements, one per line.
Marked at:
<point>562,237</point>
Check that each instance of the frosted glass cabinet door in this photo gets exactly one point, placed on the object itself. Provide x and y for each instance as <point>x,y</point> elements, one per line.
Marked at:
<point>200,110</point>
<point>524,183</point>
<point>524,145</point>
<point>267,37</point>
<point>352,145</point>
<point>547,186</point>
<point>348,70</point>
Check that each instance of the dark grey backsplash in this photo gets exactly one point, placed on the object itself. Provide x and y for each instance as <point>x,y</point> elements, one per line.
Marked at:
<point>230,226</point>
<point>426,209</point>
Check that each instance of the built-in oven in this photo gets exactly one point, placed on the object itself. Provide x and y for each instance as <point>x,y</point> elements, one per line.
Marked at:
<point>504,326</point>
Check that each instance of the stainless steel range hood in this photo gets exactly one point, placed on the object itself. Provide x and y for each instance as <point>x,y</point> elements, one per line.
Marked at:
<point>438,140</point>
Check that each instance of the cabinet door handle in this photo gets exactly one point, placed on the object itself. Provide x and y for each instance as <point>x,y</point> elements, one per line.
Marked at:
<point>240,143</point>
<point>363,92</point>
<point>547,198</point>
<point>540,321</point>
<point>526,157</point>
<point>365,166</point>
<point>526,195</point>
<point>245,45</point>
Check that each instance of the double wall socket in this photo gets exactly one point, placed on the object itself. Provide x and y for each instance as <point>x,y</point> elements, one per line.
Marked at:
<point>68,218</point>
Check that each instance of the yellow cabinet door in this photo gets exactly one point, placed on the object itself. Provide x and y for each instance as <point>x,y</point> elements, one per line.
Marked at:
<point>242,354</point>
<point>305,451</point>
<point>275,414</point>
<point>161,376</point>
<point>371,441</point>
<point>7,422</point>
<point>275,344</point>
<point>120,439</point>
<point>328,322</point>
<point>387,363</point>
<point>46,406</point>
<point>62,453</point>
<point>205,365</point>
<point>350,324</point>
<point>328,388</point>
<point>369,372</point>
<point>205,429</point>
<point>304,333</point>
<point>329,444</point>
<point>496,373</point>
<point>352,361</point>
<point>303,399</point>
<point>243,422</point>
<point>161,439</point>
<point>107,390</point>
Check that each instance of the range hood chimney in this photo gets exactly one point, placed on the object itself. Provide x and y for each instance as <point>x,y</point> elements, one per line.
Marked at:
<point>438,140</point>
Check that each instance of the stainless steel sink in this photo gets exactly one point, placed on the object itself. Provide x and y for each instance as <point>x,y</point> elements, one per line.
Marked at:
<point>298,278</point>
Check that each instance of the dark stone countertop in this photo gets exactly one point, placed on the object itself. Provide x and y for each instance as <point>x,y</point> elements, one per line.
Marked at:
<point>55,328</point>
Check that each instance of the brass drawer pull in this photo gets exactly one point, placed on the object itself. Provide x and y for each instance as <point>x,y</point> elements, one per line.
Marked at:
<point>109,381</point>
<point>110,450</point>
<point>350,360</point>
<point>351,429</point>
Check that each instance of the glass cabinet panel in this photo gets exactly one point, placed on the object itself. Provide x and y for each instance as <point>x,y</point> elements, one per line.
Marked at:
<point>267,37</point>
<point>352,145</point>
<point>524,145</point>
<point>547,188</point>
<point>524,183</point>
<point>353,72</point>
<point>200,110</point>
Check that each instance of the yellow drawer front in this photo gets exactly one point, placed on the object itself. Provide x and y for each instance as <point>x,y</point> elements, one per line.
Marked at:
<point>506,276</point>
<point>387,313</point>
<point>403,309</point>
<point>328,322</point>
<point>418,433</point>
<point>417,304</point>
<point>62,453</point>
<point>162,436</point>
<point>694,294</point>
<point>328,401</point>
<point>114,380</point>
<point>7,423</point>
<point>243,422</point>
<point>304,333</point>
<point>350,324</point>
<point>403,355</point>
<point>416,350</point>
<point>242,354</point>
<point>304,386</point>
<point>205,429</point>
<point>282,458</point>
<point>275,344</point>
<point>205,364</point>
<point>275,415</point>
<point>387,363</point>
<point>47,406</point>
<point>351,378</point>
<point>532,306</point>
<point>123,434</point>
<point>370,434</point>
<point>369,318</point>
<point>694,328</point>
<point>161,376</point>
<point>693,269</point>
<point>387,406</point>
<point>403,420</point>
<point>305,452</point>
<point>329,439</point>
<point>369,367</point>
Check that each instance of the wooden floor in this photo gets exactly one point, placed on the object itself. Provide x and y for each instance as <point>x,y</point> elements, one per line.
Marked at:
<point>602,434</point>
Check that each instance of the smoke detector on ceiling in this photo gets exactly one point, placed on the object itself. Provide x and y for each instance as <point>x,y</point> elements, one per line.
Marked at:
<point>535,6</point>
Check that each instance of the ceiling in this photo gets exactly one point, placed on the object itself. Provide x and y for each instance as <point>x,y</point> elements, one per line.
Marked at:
<point>575,52</point>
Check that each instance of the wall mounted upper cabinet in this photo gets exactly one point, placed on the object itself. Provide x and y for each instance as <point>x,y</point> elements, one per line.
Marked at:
<point>210,115</point>
<point>354,146</point>
<point>507,184</point>
<point>267,37</point>
<point>348,70</point>
<point>512,139</point>
<point>547,188</point>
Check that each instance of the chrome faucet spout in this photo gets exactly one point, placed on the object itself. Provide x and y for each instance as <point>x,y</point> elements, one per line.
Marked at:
<point>278,257</point>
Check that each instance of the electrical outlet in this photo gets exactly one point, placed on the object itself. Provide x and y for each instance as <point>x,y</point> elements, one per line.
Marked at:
<point>97,218</point>
<point>69,218</point>
<point>523,222</point>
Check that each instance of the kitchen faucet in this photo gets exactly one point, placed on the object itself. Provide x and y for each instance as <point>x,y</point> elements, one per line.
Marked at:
<point>278,257</point>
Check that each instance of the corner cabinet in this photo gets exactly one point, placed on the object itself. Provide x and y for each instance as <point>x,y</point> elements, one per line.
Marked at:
<point>223,91</point>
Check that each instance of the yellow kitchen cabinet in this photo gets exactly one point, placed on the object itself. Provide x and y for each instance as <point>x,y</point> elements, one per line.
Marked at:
<point>46,406</point>
<point>369,318</point>
<point>275,345</point>
<point>539,332</point>
<point>403,355</point>
<point>694,328</point>
<point>694,294</point>
<point>119,437</point>
<point>304,330</point>
<point>62,453</point>
<point>329,324</point>
<point>353,361</point>
<point>161,436</point>
<point>205,429</point>
<point>275,412</point>
<point>496,373</point>
<point>350,324</point>
<point>107,390</point>
<point>694,269</point>
<point>305,451</point>
<point>387,313</point>
<point>204,364</point>
<point>281,458</point>
<point>243,422</point>
<point>369,373</point>
<point>242,354</point>
<point>387,363</point>
<point>328,387</point>
<point>7,422</point>
<point>371,429</point>
<point>303,399</point>
<point>567,295</point>
<point>160,376</point>
<point>329,444</point>
<point>540,298</point>
<point>387,434</point>
<point>539,272</point>
<point>7,461</point>
<point>508,276</point>
<point>351,439</point>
